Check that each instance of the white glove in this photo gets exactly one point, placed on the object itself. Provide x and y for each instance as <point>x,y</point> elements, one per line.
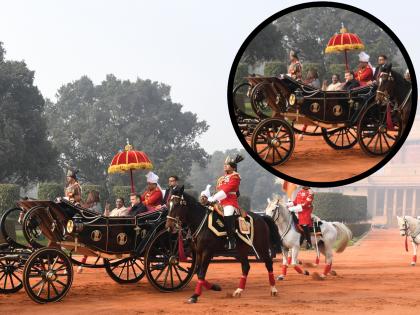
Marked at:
<point>220,195</point>
<point>296,209</point>
<point>211,199</point>
<point>289,203</point>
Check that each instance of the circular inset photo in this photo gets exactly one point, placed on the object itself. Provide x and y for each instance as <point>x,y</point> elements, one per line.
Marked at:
<point>322,94</point>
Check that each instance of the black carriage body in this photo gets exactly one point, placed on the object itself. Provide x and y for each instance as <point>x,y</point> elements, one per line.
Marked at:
<point>119,235</point>
<point>336,107</point>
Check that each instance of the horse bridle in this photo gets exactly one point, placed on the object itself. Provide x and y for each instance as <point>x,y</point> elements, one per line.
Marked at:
<point>274,217</point>
<point>178,222</point>
<point>405,227</point>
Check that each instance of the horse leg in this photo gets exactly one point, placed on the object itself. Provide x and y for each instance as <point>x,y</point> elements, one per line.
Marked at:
<point>269,265</point>
<point>414,259</point>
<point>328,260</point>
<point>285,263</point>
<point>295,261</point>
<point>204,262</point>
<point>243,259</point>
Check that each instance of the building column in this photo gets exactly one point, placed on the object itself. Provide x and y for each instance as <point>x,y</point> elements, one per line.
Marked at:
<point>385,202</point>
<point>404,204</point>
<point>375,202</point>
<point>413,204</point>
<point>394,203</point>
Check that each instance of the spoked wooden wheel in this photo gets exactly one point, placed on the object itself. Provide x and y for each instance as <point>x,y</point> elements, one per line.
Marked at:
<point>273,140</point>
<point>128,270</point>
<point>48,275</point>
<point>10,275</point>
<point>340,138</point>
<point>379,129</point>
<point>259,100</point>
<point>241,98</point>
<point>10,227</point>
<point>164,270</point>
<point>31,228</point>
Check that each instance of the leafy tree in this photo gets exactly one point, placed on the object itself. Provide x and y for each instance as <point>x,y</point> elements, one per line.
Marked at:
<point>26,154</point>
<point>90,123</point>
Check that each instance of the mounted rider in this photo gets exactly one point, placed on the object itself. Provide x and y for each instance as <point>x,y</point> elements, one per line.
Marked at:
<point>227,194</point>
<point>302,206</point>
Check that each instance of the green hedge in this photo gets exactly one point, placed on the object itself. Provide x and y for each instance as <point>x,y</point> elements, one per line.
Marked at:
<point>274,68</point>
<point>358,229</point>
<point>245,202</point>
<point>103,193</point>
<point>9,195</point>
<point>50,191</point>
<point>339,207</point>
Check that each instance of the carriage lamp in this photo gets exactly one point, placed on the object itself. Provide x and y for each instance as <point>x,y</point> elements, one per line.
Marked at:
<point>299,96</point>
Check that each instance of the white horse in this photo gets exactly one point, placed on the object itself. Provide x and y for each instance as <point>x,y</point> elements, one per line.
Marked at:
<point>410,227</point>
<point>331,232</point>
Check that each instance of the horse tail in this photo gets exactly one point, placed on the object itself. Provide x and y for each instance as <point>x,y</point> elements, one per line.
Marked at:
<point>344,235</point>
<point>275,239</point>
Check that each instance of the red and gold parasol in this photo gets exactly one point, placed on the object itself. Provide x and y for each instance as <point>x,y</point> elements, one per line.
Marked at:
<point>344,41</point>
<point>129,160</point>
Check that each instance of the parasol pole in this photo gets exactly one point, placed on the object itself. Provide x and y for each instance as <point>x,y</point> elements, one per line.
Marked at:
<point>132,181</point>
<point>345,56</point>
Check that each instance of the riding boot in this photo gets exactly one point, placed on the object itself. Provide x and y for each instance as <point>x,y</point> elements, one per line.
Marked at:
<point>306,230</point>
<point>230,230</point>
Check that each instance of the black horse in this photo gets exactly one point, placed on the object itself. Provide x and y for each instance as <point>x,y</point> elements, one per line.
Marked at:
<point>393,87</point>
<point>184,210</point>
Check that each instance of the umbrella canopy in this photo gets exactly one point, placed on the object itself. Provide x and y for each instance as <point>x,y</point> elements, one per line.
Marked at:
<point>129,160</point>
<point>344,41</point>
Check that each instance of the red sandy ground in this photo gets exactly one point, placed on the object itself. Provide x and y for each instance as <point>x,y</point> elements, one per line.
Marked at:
<point>374,276</point>
<point>314,160</point>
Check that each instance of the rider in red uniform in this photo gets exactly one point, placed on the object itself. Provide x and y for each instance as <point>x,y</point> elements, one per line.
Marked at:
<point>303,206</point>
<point>227,194</point>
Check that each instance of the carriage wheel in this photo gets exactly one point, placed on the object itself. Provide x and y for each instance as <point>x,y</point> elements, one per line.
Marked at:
<point>47,275</point>
<point>273,140</point>
<point>340,138</point>
<point>9,235</point>
<point>164,270</point>
<point>31,228</point>
<point>128,270</point>
<point>378,130</point>
<point>259,102</point>
<point>241,98</point>
<point>10,275</point>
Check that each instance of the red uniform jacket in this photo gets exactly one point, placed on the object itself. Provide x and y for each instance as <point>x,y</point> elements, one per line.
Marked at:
<point>305,198</point>
<point>364,75</point>
<point>229,183</point>
<point>152,199</point>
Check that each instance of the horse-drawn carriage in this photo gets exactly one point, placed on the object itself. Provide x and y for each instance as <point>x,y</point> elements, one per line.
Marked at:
<point>60,234</point>
<point>284,107</point>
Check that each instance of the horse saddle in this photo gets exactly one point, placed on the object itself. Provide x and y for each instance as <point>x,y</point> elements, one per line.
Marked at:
<point>315,224</point>
<point>244,226</point>
<point>219,209</point>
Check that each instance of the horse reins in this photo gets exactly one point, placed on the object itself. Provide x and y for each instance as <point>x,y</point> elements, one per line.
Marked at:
<point>277,210</point>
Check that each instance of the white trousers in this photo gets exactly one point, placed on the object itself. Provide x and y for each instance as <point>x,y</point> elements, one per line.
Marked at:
<point>228,210</point>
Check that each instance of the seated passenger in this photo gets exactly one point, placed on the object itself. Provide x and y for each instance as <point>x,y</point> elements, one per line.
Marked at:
<point>93,202</point>
<point>119,211</point>
<point>335,84</point>
<point>350,83</point>
<point>137,206</point>
<point>364,72</point>
<point>312,79</point>
<point>152,197</point>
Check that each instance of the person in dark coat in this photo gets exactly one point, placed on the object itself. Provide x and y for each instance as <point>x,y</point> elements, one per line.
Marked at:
<point>351,82</point>
<point>382,60</point>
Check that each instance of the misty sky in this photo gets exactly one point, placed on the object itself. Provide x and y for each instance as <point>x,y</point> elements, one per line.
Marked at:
<point>189,45</point>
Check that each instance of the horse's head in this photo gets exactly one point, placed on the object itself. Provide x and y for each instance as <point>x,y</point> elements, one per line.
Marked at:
<point>386,83</point>
<point>403,225</point>
<point>177,210</point>
<point>275,210</point>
